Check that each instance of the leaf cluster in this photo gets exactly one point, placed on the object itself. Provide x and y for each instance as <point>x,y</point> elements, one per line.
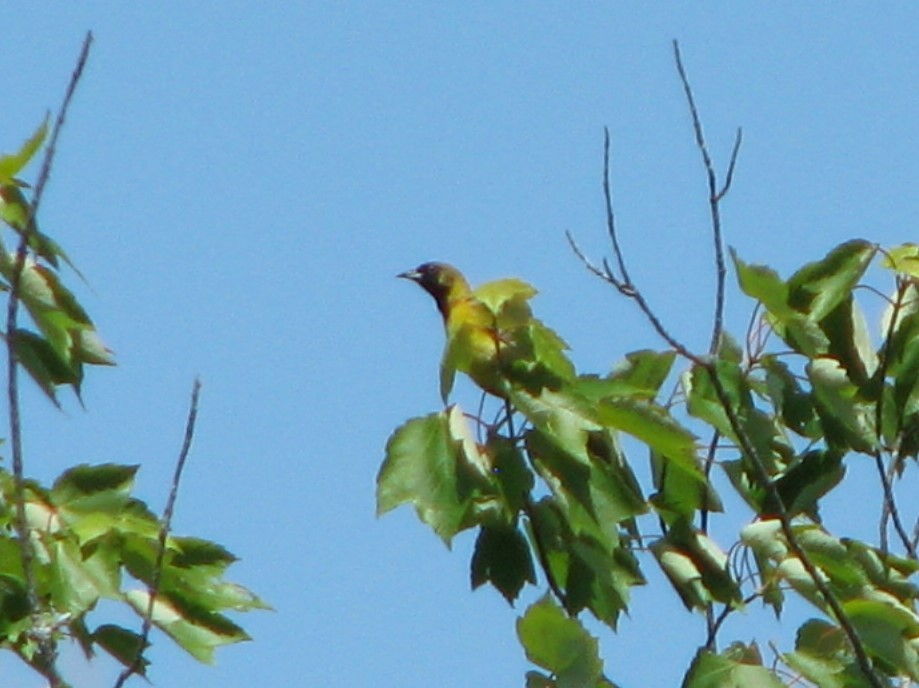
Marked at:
<point>551,492</point>
<point>88,539</point>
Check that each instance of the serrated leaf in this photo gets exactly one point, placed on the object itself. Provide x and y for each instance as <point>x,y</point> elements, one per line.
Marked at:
<point>13,164</point>
<point>639,375</point>
<point>847,421</point>
<point>739,666</point>
<point>560,645</point>
<point>502,557</point>
<point>43,364</point>
<point>507,299</point>
<point>122,644</point>
<point>696,567</point>
<point>903,259</point>
<point>763,284</point>
<point>78,582</point>
<point>819,287</point>
<point>655,427</point>
<point>679,494</point>
<point>197,634</point>
<point>101,487</point>
<point>422,468</point>
<point>889,630</point>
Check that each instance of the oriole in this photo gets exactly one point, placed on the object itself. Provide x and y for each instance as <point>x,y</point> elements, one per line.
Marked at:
<point>492,335</point>
<point>473,340</point>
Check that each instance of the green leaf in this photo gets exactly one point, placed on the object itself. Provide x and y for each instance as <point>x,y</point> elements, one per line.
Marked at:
<point>847,421</point>
<point>563,416</point>
<point>890,631</point>
<point>850,342</point>
<point>79,581</point>
<point>819,287</point>
<point>763,284</point>
<point>823,656</point>
<point>794,404</point>
<point>507,299</point>
<point>194,551</point>
<point>679,493</point>
<point>122,644</point>
<point>13,164</point>
<point>595,495</point>
<point>43,364</point>
<point>739,666</point>
<point>803,484</point>
<point>640,375</point>
<point>513,477</point>
<point>85,488</point>
<point>652,425</point>
<point>696,567</point>
<point>502,557</point>
<point>594,576</point>
<point>560,645</point>
<point>197,633</point>
<point>432,462</point>
<point>903,259</point>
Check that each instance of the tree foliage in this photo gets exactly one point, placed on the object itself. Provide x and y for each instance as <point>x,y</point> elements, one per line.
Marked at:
<point>85,539</point>
<point>780,412</point>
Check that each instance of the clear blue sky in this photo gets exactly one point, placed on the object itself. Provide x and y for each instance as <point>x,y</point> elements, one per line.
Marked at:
<point>241,181</point>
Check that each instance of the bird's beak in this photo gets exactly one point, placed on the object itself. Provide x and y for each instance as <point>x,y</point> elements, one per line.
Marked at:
<point>412,275</point>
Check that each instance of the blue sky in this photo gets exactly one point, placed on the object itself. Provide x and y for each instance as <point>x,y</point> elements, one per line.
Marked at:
<point>240,182</point>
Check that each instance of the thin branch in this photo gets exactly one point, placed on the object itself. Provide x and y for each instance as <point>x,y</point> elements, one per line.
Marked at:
<point>47,645</point>
<point>891,511</point>
<point>785,522</point>
<point>165,528</point>
<point>610,217</point>
<point>714,196</point>
<point>715,625</point>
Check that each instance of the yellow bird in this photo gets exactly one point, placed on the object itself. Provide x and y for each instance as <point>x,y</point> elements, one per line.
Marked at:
<point>474,342</point>
<point>492,335</point>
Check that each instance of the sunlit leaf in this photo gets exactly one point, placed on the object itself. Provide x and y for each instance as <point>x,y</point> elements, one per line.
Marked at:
<point>655,427</point>
<point>13,164</point>
<point>421,469</point>
<point>560,645</point>
<point>739,666</point>
<point>197,634</point>
<point>847,421</point>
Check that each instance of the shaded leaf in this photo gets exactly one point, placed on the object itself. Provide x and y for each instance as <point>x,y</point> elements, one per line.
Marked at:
<point>122,644</point>
<point>502,557</point>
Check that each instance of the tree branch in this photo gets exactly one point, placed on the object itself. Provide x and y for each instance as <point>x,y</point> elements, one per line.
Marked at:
<point>626,287</point>
<point>47,644</point>
<point>714,196</point>
<point>165,528</point>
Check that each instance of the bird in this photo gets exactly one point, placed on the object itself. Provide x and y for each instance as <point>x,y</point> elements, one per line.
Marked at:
<point>473,343</point>
<point>491,335</point>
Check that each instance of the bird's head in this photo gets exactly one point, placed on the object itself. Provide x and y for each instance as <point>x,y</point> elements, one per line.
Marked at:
<point>442,281</point>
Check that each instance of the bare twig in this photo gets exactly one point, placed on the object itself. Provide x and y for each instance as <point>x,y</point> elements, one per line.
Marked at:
<point>165,527</point>
<point>610,217</point>
<point>715,195</point>
<point>47,645</point>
